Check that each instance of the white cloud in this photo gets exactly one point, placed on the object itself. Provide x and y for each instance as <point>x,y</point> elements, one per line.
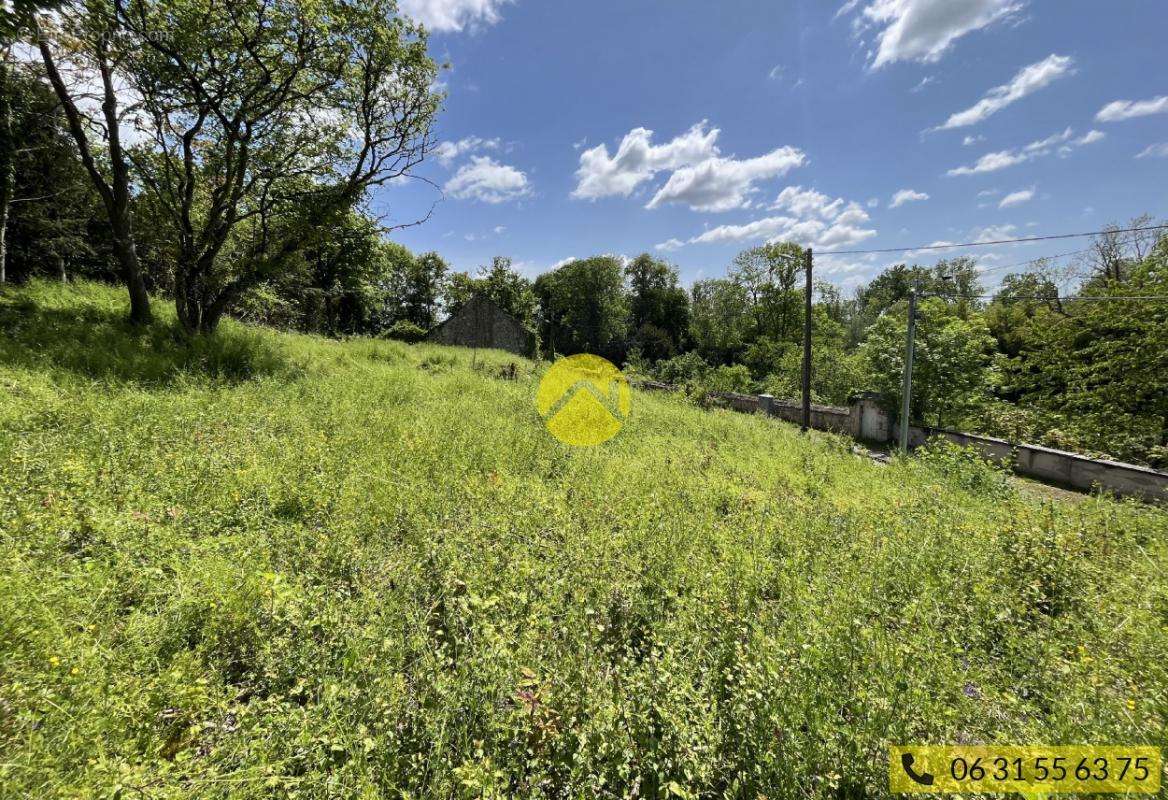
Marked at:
<point>815,219</point>
<point>562,262</point>
<point>776,72</point>
<point>499,229</point>
<point>722,184</point>
<point>971,139</point>
<point>447,151</point>
<point>758,229</point>
<point>925,81</point>
<point>1127,109</point>
<point>906,196</point>
<point>994,233</point>
<point>987,192</point>
<point>852,216</point>
<point>841,235</point>
<point>637,160</point>
<point>1017,198</point>
<point>453,15</point>
<point>873,202</point>
<point>1044,145</point>
<point>487,180</point>
<point>1155,151</point>
<point>922,30</point>
<point>700,176</point>
<point>934,244</point>
<point>1090,137</point>
<point>669,245</point>
<point>991,162</point>
<point>807,203</point>
<point>1027,81</point>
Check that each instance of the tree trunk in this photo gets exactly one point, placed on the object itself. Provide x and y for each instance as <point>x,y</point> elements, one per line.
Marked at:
<point>131,270</point>
<point>61,269</point>
<point>115,194</point>
<point>7,162</point>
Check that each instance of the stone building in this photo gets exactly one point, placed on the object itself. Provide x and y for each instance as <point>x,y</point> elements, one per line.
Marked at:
<point>481,323</point>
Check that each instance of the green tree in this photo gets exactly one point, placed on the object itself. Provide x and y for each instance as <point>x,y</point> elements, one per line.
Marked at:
<point>419,285</point>
<point>658,308</point>
<point>89,38</point>
<point>720,320</point>
<point>769,274</point>
<point>267,121</point>
<point>343,271</point>
<point>1018,300</point>
<point>584,308</point>
<point>1101,364</point>
<point>951,366</point>
<point>52,206</point>
<point>836,372</point>
<point>501,284</point>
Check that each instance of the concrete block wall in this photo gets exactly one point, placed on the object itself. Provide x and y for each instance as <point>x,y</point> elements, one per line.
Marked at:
<point>1072,470</point>
<point>867,420</point>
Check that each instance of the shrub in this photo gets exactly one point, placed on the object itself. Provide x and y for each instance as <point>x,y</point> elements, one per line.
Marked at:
<point>730,379</point>
<point>966,468</point>
<point>683,369</point>
<point>405,331</point>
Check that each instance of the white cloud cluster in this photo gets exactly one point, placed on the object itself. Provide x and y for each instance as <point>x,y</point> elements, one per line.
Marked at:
<point>1017,198</point>
<point>814,219</point>
<point>1118,110</point>
<point>701,177</point>
<point>453,15</point>
<point>1028,80</point>
<point>723,184</point>
<point>447,151</point>
<point>1062,143</point>
<point>971,139</point>
<point>994,233</point>
<point>906,196</point>
<point>483,178</point>
<point>922,30</point>
<point>637,160</point>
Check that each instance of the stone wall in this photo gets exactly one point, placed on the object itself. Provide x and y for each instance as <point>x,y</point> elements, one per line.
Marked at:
<point>481,323</point>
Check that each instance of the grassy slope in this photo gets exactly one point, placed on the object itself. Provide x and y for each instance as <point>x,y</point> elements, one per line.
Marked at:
<point>273,565</point>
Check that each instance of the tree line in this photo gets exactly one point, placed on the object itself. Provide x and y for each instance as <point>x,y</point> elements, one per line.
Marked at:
<point>222,153</point>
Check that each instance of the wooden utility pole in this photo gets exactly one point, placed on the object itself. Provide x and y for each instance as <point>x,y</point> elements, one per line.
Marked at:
<point>807,344</point>
<point>906,388</point>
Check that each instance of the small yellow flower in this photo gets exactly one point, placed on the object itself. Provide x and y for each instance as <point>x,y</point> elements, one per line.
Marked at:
<point>1131,705</point>
<point>54,661</point>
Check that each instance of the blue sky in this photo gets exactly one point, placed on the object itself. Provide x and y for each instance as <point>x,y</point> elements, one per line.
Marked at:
<point>694,130</point>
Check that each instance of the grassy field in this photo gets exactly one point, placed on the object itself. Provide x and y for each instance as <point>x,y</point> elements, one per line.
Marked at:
<point>269,565</point>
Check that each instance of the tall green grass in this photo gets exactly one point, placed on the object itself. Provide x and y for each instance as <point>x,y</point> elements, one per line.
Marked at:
<point>268,565</point>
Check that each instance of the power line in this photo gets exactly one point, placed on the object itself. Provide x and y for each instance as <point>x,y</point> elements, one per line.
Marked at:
<point>1050,298</point>
<point>1029,261</point>
<point>988,243</point>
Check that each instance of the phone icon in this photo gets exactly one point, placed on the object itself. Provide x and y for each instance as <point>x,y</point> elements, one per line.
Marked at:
<point>924,778</point>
